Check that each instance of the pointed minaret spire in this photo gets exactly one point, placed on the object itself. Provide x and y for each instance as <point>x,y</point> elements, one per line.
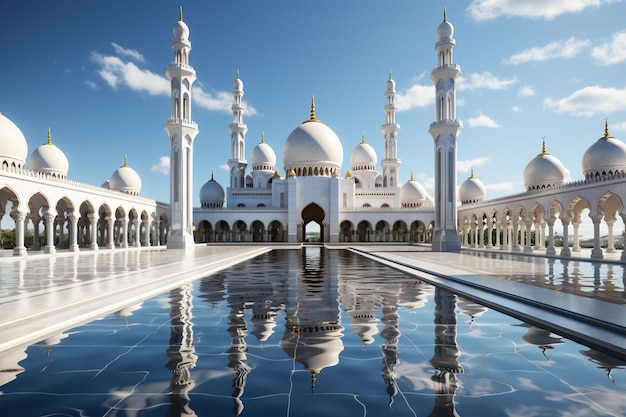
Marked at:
<point>125,161</point>
<point>212,178</point>
<point>390,75</point>
<point>606,129</point>
<point>543,147</point>
<point>262,137</point>
<point>472,173</point>
<point>49,137</point>
<point>445,14</point>
<point>312,118</point>
<point>180,14</point>
<point>362,137</point>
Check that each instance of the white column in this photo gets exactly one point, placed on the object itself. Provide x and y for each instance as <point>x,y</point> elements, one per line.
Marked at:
<point>93,221</point>
<point>550,250</point>
<point>18,217</point>
<point>566,250</point>
<point>576,224</point>
<point>73,230</point>
<point>611,243</point>
<point>49,233</point>
<point>111,233</point>
<point>596,252</point>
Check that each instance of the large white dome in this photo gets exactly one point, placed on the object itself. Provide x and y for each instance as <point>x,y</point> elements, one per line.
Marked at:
<point>212,194</point>
<point>472,190</point>
<point>313,149</point>
<point>413,194</point>
<point>263,157</point>
<point>544,171</point>
<point>13,146</point>
<point>49,159</point>
<point>363,157</point>
<point>606,156</point>
<point>126,180</point>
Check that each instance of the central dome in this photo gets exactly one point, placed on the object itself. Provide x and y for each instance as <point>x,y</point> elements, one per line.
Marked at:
<point>313,149</point>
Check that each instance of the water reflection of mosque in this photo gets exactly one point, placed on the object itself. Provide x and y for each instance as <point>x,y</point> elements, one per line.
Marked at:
<point>311,292</point>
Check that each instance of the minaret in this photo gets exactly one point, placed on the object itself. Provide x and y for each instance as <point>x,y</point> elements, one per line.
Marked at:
<point>237,162</point>
<point>445,130</point>
<point>182,131</point>
<point>390,128</point>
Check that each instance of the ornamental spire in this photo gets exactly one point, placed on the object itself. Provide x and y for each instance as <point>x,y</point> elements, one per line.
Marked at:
<point>262,137</point>
<point>606,129</point>
<point>445,16</point>
<point>362,137</point>
<point>312,119</point>
<point>125,161</point>
<point>472,173</point>
<point>49,137</point>
<point>212,179</point>
<point>180,14</point>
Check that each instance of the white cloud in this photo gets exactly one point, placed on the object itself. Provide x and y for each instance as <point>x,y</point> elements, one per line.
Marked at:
<point>516,109</point>
<point>163,167</point>
<point>484,80</point>
<point>416,96</point>
<point>224,167</point>
<point>481,10</point>
<point>554,50</point>
<point>428,181</point>
<point>620,127</point>
<point>483,121</point>
<point>114,71</point>
<point>130,53</point>
<point>589,101</point>
<point>92,85</point>
<point>526,91</point>
<point>611,53</point>
<point>468,164</point>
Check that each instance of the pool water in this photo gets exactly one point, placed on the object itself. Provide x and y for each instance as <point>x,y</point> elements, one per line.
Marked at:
<point>310,332</point>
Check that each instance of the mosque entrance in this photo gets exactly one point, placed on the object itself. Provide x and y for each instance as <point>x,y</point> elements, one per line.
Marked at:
<point>313,223</point>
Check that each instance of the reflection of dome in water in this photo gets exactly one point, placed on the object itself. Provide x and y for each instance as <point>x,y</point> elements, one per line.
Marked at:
<point>313,149</point>
<point>365,325</point>
<point>263,323</point>
<point>315,347</point>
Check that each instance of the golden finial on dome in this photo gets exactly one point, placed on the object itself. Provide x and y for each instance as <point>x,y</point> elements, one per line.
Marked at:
<point>212,179</point>
<point>180,14</point>
<point>390,77</point>
<point>411,179</point>
<point>291,173</point>
<point>606,129</point>
<point>262,137</point>
<point>472,172</point>
<point>362,137</point>
<point>445,15</point>
<point>312,119</point>
<point>543,147</point>
<point>276,174</point>
<point>348,174</point>
<point>125,161</point>
<point>49,137</point>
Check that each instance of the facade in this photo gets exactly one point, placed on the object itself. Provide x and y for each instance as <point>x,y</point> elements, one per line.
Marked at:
<point>68,214</point>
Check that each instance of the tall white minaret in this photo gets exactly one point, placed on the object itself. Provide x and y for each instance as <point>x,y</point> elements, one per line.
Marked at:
<point>390,129</point>
<point>445,130</point>
<point>182,131</point>
<point>237,162</point>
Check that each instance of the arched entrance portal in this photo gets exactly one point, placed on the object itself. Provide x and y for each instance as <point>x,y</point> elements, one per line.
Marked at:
<point>313,221</point>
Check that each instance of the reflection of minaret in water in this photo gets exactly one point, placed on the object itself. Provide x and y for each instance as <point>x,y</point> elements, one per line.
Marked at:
<point>604,361</point>
<point>389,347</point>
<point>313,331</point>
<point>445,360</point>
<point>181,351</point>
<point>238,330</point>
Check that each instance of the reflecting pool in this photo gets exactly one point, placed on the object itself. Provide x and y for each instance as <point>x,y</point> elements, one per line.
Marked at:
<point>310,332</point>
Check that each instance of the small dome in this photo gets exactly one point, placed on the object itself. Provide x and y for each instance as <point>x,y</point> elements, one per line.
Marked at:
<point>49,159</point>
<point>263,156</point>
<point>237,84</point>
<point>445,31</point>
<point>544,171</point>
<point>391,84</point>
<point>180,29</point>
<point>313,147</point>
<point>126,180</point>
<point>212,194</point>
<point>13,146</point>
<point>363,157</point>
<point>605,157</point>
<point>472,190</point>
<point>413,194</point>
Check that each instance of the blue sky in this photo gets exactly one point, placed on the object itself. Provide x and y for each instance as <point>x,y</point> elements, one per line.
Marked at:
<point>94,73</point>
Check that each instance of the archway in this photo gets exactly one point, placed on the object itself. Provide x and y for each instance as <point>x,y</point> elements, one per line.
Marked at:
<point>313,223</point>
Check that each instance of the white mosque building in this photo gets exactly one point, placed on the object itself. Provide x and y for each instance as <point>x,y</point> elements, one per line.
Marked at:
<point>275,203</point>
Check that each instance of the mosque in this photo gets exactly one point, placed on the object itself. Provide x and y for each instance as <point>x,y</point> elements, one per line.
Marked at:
<point>273,203</point>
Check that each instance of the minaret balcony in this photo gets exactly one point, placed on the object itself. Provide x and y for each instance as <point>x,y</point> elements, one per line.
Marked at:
<point>446,71</point>
<point>180,66</point>
<point>183,122</point>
